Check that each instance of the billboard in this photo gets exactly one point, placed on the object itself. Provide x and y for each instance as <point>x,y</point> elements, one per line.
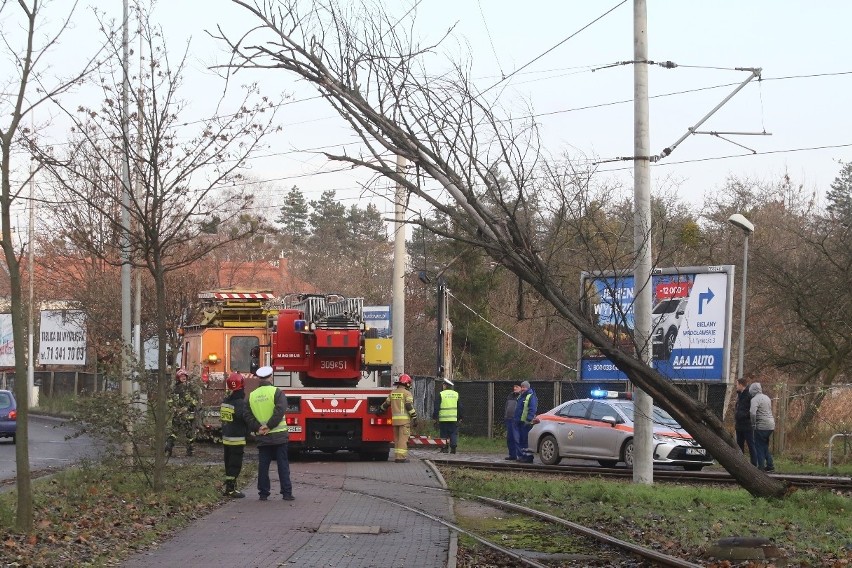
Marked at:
<point>379,319</point>
<point>62,338</point>
<point>7,341</point>
<point>690,319</point>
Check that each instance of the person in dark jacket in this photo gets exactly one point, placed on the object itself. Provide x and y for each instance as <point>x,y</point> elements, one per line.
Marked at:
<point>267,404</point>
<point>509,421</point>
<point>234,429</point>
<point>742,420</point>
<point>524,413</point>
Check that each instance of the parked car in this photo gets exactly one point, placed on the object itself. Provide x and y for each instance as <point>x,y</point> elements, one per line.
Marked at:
<point>667,317</point>
<point>8,415</point>
<point>601,429</point>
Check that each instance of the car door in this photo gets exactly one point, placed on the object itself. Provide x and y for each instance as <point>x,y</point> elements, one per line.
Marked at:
<point>602,439</point>
<point>570,426</point>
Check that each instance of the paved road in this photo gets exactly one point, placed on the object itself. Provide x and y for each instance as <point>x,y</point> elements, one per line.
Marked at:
<point>48,447</point>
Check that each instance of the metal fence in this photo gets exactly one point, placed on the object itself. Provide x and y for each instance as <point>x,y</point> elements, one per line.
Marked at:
<point>62,383</point>
<point>483,402</point>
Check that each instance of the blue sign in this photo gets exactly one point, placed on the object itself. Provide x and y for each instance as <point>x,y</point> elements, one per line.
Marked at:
<point>690,318</point>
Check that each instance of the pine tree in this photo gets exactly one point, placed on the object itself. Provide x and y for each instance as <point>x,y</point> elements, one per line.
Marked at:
<point>840,195</point>
<point>294,216</point>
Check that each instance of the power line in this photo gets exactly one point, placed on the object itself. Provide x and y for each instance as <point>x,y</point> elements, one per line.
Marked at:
<point>522,67</point>
<point>509,335</point>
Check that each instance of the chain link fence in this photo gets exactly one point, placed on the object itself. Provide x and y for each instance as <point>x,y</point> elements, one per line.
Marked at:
<point>483,402</point>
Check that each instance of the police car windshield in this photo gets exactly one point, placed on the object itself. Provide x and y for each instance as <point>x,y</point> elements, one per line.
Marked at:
<point>661,417</point>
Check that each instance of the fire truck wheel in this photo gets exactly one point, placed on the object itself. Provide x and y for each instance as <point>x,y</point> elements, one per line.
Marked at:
<point>294,455</point>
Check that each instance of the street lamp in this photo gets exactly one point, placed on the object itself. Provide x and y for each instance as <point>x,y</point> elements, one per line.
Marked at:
<point>747,227</point>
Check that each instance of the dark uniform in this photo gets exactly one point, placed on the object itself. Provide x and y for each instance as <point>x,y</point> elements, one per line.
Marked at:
<point>404,415</point>
<point>448,413</point>
<point>742,421</point>
<point>267,405</point>
<point>234,430</point>
<point>184,402</point>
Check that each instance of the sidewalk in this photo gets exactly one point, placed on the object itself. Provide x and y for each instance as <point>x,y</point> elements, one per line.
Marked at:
<point>334,521</point>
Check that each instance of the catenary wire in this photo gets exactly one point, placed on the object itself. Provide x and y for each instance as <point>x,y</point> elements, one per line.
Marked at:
<point>509,335</point>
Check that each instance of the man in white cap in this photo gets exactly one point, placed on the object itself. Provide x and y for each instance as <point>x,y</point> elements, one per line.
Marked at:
<point>448,414</point>
<point>267,404</point>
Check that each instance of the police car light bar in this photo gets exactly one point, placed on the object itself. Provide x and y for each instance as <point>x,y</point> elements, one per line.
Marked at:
<point>600,393</point>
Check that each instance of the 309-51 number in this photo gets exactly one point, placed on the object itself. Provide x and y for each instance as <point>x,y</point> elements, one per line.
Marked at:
<point>333,365</point>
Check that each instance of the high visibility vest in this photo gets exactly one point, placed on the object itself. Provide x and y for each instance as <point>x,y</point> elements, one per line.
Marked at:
<point>262,404</point>
<point>449,411</point>
<point>526,408</point>
<point>398,397</point>
<point>226,414</point>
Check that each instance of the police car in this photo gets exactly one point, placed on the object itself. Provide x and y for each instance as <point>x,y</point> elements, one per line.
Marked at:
<point>601,428</point>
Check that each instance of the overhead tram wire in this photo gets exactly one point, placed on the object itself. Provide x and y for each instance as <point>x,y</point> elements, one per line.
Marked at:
<point>531,116</point>
<point>522,67</point>
<point>509,335</point>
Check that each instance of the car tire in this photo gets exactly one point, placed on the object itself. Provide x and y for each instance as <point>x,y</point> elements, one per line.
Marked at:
<point>548,451</point>
<point>668,343</point>
<point>627,454</point>
<point>607,463</point>
<point>693,467</point>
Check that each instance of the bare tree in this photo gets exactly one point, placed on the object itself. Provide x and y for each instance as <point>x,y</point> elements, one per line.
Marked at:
<point>374,76</point>
<point>186,173</point>
<point>802,266</point>
<point>29,38</point>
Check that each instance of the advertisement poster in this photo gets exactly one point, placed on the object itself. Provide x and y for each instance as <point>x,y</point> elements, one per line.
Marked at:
<point>379,319</point>
<point>62,338</point>
<point>690,318</point>
<point>7,341</point>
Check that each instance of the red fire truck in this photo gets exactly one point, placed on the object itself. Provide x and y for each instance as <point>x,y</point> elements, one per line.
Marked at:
<point>323,357</point>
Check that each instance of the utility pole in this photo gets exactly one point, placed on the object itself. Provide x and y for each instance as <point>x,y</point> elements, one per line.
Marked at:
<point>643,471</point>
<point>31,398</point>
<point>137,193</point>
<point>443,367</point>
<point>126,339</point>
<point>398,305</point>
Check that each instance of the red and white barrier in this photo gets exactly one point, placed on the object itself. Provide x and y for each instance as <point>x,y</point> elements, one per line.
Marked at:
<point>426,441</point>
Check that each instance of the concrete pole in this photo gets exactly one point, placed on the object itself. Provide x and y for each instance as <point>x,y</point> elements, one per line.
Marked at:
<point>398,306</point>
<point>126,337</point>
<point>31,396</point>
<point>643,470</point>
<point>137,191</point>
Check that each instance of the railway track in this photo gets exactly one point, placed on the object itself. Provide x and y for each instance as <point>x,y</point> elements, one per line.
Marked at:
<point>835,483</point>
<point>598,549</point>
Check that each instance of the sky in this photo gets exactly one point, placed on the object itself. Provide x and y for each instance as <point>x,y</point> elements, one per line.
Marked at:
<point>561,58</point>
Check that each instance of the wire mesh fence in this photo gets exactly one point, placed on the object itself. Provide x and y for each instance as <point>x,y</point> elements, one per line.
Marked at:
<point>483,403</point>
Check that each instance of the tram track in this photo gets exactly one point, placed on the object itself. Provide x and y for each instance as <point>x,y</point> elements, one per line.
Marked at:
<point>835,483</point>
<point>603,550</point>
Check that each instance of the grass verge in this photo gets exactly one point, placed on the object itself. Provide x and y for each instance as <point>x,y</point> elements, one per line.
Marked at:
<point>813,527</point>
<point>99,514</point>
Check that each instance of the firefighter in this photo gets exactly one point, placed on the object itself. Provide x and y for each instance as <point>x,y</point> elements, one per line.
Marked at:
<point>234,430</point>
<point>448,414</point>
<point>184,404</point>
<point>404,416</point>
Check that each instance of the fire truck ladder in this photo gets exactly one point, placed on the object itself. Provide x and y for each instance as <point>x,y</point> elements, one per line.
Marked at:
<point>332,311</point>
